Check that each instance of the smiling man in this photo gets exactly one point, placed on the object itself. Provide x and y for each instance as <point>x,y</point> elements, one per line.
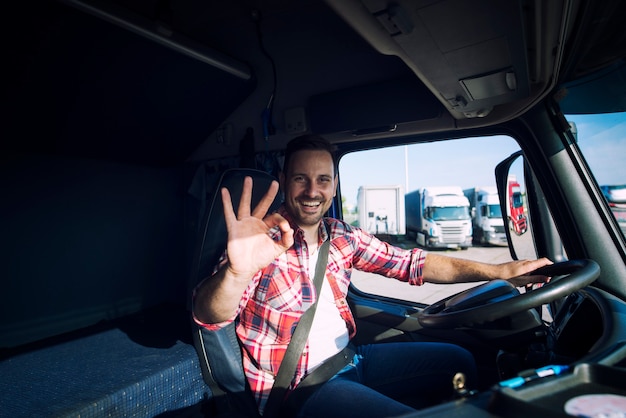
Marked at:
<point>264,283</point>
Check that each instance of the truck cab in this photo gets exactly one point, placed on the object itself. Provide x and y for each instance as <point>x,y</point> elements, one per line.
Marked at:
<point>439,217</point>
<point>486,212</point>
<point>515,208</point>
<point>121,118</point>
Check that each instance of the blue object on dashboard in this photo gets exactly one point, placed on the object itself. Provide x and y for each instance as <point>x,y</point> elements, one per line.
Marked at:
<point>523,378</point>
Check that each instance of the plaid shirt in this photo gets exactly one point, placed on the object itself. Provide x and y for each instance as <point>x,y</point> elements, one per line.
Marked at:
<point>278,295</point>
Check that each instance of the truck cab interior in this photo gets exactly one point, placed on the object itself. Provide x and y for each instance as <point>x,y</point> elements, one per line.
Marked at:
<point>122,116</point>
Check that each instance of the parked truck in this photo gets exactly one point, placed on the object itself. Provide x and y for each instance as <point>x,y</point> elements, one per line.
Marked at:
<point>487,222</point>
<point>439,217</point>
<point>616,198</point>
<point>516,213</point>
<point>381,209</point>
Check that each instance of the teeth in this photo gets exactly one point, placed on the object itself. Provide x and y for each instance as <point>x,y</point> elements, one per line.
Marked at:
<point>311,204</point>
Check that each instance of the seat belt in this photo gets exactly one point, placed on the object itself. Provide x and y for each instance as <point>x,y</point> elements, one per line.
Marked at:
<point>298,339</point>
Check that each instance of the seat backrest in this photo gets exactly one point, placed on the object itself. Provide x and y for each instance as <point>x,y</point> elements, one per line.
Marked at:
<point>219,351</point>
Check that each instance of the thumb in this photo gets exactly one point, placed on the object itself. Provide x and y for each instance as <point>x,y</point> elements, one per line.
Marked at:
<point>286,239</point>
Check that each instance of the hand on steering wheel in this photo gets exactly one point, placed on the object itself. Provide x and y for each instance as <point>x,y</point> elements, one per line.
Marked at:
<point>499,298</point>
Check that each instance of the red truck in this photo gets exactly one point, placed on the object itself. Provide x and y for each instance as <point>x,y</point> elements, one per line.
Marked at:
<point>516,213</point>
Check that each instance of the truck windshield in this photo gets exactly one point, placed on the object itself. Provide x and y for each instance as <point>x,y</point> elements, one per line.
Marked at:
<point>494,211</point>
<point>449,213</point>
<point>518,201</point>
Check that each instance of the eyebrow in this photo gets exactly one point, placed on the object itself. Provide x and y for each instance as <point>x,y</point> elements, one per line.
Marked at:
<point>306,175</point>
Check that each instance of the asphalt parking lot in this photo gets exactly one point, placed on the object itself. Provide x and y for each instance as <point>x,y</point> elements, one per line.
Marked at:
<point>428,293</point>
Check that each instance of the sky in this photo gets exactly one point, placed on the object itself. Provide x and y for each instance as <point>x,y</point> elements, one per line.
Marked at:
<point>602,139</point>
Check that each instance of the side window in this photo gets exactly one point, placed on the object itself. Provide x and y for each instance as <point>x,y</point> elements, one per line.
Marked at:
<point>602,139</point>
<point>439,195</point>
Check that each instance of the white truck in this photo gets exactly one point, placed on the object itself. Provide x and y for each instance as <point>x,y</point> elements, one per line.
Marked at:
<point>381,209</point>
<point>439,217</point>
<point>486,212</point>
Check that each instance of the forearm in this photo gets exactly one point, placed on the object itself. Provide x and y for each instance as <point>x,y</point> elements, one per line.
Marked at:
<point>217,298</point>
<point>441,269</point>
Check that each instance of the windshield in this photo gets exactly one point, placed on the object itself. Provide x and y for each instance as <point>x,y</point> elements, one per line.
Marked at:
<point>494,211</point>
<point>448,213</point>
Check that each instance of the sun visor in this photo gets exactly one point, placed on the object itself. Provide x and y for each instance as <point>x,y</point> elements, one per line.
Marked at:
<point>373,108</point>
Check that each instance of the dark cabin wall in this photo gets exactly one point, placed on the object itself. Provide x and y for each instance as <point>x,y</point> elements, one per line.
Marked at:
<point>86,240</point>
<point>81,86</point>
<point>98,123</point>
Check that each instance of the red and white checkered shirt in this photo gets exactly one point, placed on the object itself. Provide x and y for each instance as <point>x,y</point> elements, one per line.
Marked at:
<point>278,295</point>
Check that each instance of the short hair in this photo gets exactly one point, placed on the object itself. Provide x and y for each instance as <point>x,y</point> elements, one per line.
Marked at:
<point>309,142</point>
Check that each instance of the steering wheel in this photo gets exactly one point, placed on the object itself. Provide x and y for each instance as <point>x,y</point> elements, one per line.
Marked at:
<point>498,298</point>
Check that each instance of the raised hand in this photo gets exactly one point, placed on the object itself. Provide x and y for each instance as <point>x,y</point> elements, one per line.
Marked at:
<point>250,247</point>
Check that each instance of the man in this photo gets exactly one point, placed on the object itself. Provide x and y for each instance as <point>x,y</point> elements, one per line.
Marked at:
<point>265,283</point>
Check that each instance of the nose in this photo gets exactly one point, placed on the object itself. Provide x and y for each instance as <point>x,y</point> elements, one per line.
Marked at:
<point>311,189</point>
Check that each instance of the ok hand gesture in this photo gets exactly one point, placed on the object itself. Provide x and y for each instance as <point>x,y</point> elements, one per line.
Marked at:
<point>250,247</point>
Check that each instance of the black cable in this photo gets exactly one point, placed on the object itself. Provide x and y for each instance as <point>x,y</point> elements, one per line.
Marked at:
<point>268,124</point>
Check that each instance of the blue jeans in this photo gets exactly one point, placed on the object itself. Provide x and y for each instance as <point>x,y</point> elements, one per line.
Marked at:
<point>384,379</point>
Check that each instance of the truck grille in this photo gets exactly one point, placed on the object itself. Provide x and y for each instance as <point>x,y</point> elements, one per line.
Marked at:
<point>453,234</point>
<point>498,228</point>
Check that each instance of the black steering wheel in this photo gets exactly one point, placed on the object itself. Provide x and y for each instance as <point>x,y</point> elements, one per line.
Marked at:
<point>498,298</point>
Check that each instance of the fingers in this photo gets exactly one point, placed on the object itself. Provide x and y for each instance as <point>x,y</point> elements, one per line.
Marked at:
<point>266,201</point>
<point>543,261</point>
<point>276,222</point>
<point>526,273</point>
<point>540,278</point>
<point>286,239</point>
<point>243,211</point>
<point>246,196</point>
<point>229,212</point>
<point>536,267</point>
<point>526,267</point>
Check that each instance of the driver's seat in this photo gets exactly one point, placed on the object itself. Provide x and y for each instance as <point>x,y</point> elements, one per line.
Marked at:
<point>219,351</point>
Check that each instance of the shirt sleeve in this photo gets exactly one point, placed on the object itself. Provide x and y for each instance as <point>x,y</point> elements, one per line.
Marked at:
<point>375,256</point>
<point>242,302</point>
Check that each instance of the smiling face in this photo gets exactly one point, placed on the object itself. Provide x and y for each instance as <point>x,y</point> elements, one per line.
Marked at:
<point>309,185</point>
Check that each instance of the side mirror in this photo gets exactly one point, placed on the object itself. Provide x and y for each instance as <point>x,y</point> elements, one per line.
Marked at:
<point>510,179</point>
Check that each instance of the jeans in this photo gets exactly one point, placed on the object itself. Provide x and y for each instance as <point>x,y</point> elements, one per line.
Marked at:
<point>391,379</point>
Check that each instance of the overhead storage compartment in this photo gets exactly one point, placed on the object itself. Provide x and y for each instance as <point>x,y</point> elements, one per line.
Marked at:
<point>467,53</point>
